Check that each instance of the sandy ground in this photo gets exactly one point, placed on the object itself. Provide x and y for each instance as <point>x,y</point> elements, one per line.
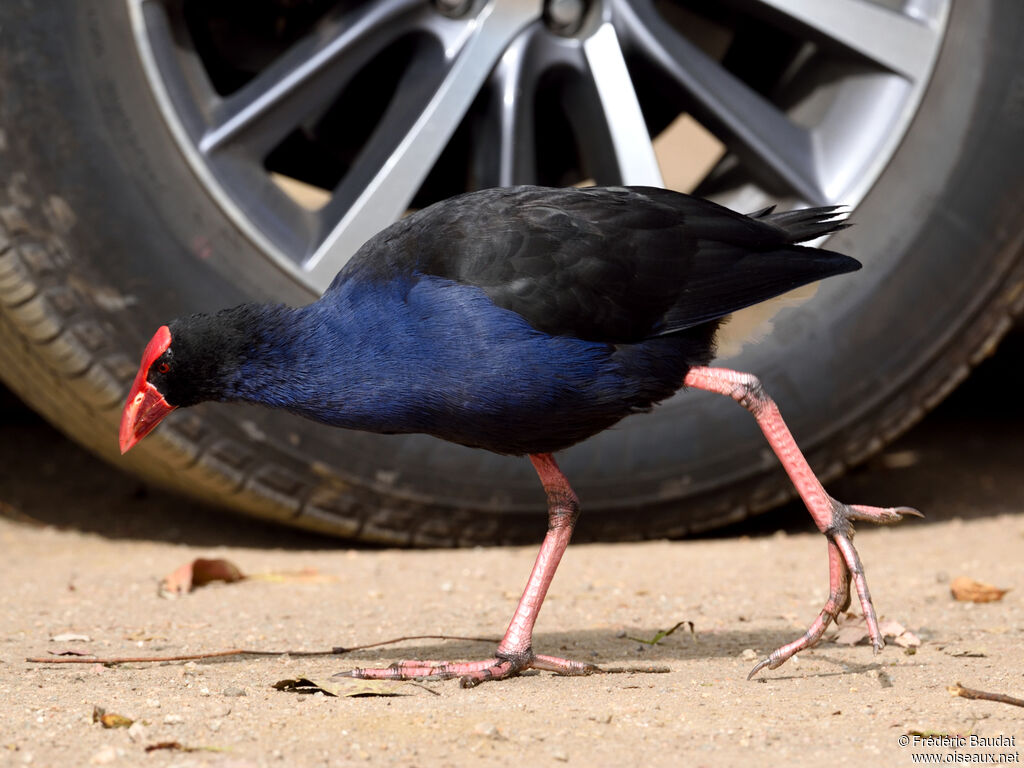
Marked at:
<point>84,549</point>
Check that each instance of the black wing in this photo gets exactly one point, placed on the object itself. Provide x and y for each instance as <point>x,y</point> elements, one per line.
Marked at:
<point>610,264</point>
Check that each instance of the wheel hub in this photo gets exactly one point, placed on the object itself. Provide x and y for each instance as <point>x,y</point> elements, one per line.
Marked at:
<point>565,17</point>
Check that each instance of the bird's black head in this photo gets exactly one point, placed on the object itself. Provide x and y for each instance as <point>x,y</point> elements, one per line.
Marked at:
<point>186,362</point>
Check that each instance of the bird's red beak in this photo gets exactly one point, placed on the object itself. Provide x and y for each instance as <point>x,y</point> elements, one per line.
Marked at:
<point>146,406</point>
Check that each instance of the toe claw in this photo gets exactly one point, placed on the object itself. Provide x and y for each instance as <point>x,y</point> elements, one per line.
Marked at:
<point>877,515</point>
<point>909,511</point>
<point>759,666</point>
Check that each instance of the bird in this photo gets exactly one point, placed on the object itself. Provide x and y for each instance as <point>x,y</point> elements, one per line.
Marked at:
<point>522,321</point>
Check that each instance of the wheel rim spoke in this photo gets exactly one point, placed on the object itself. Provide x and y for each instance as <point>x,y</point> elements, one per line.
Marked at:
<point>398,124</point>
<point>306,77</point>
<point>900,43</point>
<point>389,192</point>
<point>510,118</point>
<point>757,130</point>
<point>630,141</point>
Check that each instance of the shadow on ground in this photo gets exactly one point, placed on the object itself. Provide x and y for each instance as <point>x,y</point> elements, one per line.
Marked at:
<point>963,460</point>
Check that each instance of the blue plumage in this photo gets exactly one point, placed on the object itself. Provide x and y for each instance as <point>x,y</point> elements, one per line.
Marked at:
<point>433,356</point>
<point>518,320</point>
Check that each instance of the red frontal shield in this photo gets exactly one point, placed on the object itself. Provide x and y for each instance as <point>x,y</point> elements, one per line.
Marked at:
<point>146,406</point>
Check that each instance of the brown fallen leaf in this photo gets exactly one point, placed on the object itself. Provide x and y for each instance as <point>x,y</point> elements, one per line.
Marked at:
<point>197,573</point>
<point>304,576</point>
<point>344,687</point>
<point>140,636</point>
<point>171,745</point>
<point>110,719</point>
<point>968,590</point>
<point>853,629</point>
<point>177,746</point>
<point>13,513</point>
<point>70,637</point>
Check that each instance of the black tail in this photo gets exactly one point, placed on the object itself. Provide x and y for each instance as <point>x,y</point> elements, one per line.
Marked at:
<point>727,276</point>
<point>806,224</point>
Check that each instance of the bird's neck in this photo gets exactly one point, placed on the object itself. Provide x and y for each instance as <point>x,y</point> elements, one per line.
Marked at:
<point>272,354</point>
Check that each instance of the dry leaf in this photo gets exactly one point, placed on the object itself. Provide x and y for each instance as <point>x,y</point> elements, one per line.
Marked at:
<point>109,719</point>
<point>304,576</point>
<point>343,687</point>
<point>177,746</point>
<point>70,637</point>
<point>140,636</point>
<point>907,639</point>
<point>197,573</point>
<point>850,635</point>
<point>171,745</point>
<point>853,629</point>
<point>965,653</point>
<point>970,591</point>
<point>12,513</point>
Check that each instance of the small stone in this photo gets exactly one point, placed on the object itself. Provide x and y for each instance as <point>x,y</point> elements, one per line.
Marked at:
<point>154,703</point>
<point>136,731</point>
<point>173,719</point>
<point>488,730</point>
<point>234,691</point>
<point>560,756</point>
<point>749,654</point>
<point>105,756</point>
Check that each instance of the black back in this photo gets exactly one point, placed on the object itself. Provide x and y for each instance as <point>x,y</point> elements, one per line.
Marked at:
<point>614,264</point>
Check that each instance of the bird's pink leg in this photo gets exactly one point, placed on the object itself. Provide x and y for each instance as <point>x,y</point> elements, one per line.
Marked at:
<point>833,518</point>
<point>515,651</point>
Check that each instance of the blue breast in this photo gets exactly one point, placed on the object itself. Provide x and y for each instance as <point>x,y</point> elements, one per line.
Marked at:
<point>429,355</point>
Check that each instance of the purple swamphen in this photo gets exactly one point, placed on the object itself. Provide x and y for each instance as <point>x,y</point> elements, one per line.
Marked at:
<point>522,321</point>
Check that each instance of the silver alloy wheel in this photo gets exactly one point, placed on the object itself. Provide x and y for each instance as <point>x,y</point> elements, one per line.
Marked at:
<point>820,133</point>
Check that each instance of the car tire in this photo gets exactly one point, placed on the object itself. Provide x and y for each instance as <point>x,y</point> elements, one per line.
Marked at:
<point>106,233</point>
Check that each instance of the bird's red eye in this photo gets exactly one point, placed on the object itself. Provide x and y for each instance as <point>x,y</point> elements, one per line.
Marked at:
<point>163,367</point>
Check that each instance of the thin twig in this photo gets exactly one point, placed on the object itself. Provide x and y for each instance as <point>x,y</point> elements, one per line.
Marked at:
<point>640,670</point>
<point>336,651</point>
<point>972,693</point>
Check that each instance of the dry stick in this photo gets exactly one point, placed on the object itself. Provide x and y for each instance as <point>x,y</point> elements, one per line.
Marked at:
<point>972,693</point>
<point>336,651</point>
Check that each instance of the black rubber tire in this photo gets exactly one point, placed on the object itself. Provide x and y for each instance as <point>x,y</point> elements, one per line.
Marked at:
<point>105,234</point>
